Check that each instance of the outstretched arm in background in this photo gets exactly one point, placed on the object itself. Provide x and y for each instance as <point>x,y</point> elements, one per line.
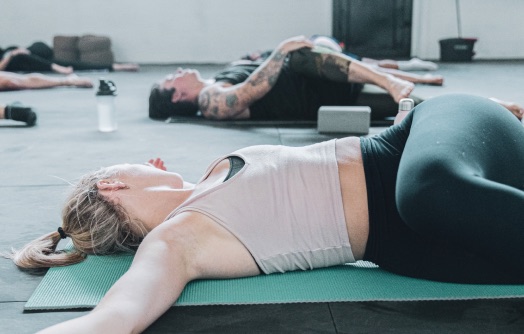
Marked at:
<point>16,81</point>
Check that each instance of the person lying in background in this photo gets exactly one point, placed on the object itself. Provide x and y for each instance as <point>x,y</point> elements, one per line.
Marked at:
<point>290,83</point>
<point>276,89</point>
<point>38,57</point>
<point>397,68</point>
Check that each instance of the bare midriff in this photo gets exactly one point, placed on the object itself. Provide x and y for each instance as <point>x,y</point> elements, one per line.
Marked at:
<point>354,193</point>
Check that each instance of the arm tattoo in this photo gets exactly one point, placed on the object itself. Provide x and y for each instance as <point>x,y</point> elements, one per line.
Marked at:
<point>270,73</point>
<point>215,103</point>
<point>331,66</point>
<point>258,79</point>
<point>335,68</point>
<point>279,56</point>
<point>231,100</point>
<point>203,101</point>
<point>272,79</point>
<point>209,102</point>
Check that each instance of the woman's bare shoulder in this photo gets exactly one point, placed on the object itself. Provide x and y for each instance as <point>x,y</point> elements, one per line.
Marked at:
<point>214,252</point>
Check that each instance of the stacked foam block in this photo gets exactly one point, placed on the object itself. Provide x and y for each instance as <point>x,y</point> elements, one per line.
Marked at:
<point>91,49</point>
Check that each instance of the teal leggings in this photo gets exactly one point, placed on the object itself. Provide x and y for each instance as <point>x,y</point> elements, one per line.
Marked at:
<point>446,193</point>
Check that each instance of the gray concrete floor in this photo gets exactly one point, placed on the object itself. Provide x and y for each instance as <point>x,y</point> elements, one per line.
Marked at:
<point>38,164</point>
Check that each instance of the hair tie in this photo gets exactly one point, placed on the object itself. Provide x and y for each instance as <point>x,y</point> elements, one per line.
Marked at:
<point>63,235</point>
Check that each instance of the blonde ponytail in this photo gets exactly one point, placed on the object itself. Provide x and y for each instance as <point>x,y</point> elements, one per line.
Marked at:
<point>41,253</point>
<point>94,224</point>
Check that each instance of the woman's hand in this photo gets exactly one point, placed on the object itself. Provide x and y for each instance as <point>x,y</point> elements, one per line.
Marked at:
<point>157,163</point>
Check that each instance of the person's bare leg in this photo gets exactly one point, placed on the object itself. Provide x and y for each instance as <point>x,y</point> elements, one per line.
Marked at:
<point>2,111</point>
<point>414,64</point>
<point>396,87</point>
<point>339,67</point>
<point>384,63</point>
<point>15,81</point>
<point>427,79</point>
<point>126,67</point>
<point>76,81</point>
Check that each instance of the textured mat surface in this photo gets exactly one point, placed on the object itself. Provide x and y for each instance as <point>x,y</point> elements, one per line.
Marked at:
<point>84,284</point>
<point>386,120</point>
<point>241,122</point>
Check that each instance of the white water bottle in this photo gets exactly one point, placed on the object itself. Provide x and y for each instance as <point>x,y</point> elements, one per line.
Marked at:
<point>405,105</point>
<point>105,98</point>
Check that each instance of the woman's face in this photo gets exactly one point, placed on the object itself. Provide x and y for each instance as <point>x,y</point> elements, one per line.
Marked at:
<point>145,192</point>
<point>146,177</point>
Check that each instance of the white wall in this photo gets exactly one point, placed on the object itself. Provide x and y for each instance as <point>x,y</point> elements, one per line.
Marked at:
<point>497,25</point>
<point>217,31</point>
<point>167,31</point>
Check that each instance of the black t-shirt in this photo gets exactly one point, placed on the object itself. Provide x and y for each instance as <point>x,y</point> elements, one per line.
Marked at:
<point>294,96</point>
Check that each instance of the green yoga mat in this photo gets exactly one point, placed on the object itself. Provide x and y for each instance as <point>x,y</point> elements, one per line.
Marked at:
<point>84,284</point>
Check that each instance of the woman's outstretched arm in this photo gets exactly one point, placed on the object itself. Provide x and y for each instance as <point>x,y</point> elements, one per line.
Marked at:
<point>176,252</point>
<point>156,278</point>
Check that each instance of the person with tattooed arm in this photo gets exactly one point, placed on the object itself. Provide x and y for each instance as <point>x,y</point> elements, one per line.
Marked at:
<point>277,89</point>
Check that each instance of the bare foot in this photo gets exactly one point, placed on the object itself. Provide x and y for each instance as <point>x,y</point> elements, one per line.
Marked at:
<point>430,79</point>
<point>125,67</point>
<point>76,81</point>
<point>415,64</point>
<point>384,63</point>
<point>398,88</point>
<point>511,106</point>
<point>62,69</point>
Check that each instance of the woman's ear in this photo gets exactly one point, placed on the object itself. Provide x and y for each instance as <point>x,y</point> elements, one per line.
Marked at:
<point>111,184</point>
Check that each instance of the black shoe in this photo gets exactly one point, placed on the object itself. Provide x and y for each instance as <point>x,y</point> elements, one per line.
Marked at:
<point>31,118</point>
<point>18,112</point>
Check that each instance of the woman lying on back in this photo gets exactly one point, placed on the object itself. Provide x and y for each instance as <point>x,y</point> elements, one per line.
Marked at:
<point>438,196</point>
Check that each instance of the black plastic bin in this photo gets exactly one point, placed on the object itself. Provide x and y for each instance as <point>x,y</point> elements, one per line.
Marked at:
<point>457,49</point>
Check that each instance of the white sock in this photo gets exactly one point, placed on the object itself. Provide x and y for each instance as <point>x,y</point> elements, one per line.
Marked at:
<point>415,64</point>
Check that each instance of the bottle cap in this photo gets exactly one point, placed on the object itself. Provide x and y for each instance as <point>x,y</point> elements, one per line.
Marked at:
<point>106,88</point>
<point>406,105</point>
